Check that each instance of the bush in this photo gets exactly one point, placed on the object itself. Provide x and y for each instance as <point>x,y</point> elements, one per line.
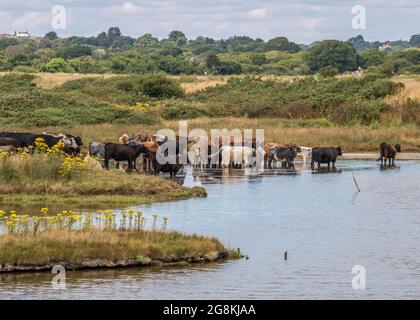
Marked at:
<point>178,109</point>
<point>57,65</point>
<point>160,86</point>
<point>328,72</point>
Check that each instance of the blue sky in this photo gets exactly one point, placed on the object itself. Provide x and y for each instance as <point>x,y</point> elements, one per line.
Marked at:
<point>301,21</point>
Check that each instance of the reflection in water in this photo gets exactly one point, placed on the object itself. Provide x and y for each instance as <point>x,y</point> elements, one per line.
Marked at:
<point>321,221</point>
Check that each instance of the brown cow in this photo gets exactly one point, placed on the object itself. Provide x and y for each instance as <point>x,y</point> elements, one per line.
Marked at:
<point>388,151</point>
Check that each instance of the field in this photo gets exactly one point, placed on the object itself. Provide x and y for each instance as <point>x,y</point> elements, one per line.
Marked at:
<point>210,102</point>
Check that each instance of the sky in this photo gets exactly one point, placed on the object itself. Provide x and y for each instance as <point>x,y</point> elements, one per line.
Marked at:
<point>301,21</point>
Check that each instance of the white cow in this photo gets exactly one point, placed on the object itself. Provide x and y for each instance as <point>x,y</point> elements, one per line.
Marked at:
<point>306,153</point>
<point>237,155</point>
<point>198,152</point>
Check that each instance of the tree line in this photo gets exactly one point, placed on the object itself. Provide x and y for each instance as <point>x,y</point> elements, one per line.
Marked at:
<point>113,52</point>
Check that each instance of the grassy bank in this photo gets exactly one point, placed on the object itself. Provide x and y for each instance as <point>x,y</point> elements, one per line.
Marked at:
<point>46,179</point>
<point>103,249</point>
<point>97,240</point>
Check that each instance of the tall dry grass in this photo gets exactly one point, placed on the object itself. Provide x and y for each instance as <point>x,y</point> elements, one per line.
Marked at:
<point>351,139</point>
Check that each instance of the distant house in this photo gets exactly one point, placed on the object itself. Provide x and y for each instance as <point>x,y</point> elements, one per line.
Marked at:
<point>20,34</point>
<point>385,45</point>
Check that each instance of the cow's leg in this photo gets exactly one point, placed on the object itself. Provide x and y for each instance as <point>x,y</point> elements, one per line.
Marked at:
<point>117,165</point>
<point>329,166</point>
<point>312,165</point>
<point>106,164</point>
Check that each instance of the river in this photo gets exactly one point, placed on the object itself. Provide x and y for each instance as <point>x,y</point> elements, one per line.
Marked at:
<point>324,224</point>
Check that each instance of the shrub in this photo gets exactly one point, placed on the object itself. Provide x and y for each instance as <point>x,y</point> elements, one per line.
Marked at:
<point>328,72</point>
<point>160,86</point>
<point>57,65</point>
<point>178,109</point>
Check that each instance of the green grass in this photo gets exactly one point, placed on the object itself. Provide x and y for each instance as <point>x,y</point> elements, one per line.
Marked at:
<point>101,248</point>
<point>37,180</point>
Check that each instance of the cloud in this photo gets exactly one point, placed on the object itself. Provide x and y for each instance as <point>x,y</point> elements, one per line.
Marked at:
<point>258,13</point>
<point>302,21</point>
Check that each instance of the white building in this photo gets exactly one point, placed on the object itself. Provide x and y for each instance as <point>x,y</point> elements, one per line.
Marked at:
<point>19,34</point>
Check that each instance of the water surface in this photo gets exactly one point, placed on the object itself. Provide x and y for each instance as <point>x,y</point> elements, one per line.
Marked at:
<point>326,226</point>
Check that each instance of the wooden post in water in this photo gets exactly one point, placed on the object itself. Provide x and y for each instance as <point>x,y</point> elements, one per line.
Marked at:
<point>355,182</point>
<point>285,255</point>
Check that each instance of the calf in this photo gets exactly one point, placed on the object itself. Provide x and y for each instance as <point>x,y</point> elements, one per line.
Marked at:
<point>325,155</point>
<point>123,152</point>
<point>388,151</point>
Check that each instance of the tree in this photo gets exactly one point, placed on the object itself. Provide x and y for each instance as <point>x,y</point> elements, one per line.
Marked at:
<point>372,57</point>
<point>52,35</point>
<point>227,68</point>
<point>113,33</point>
<point>212,61</point>
<point>359,43</point>
<point>331,53</point>
<point>281,44</point>
<point>102,39</point>
<point>74,52</point>
<point>178,37</point>
<point>146,41</point>
<point>415,40</point>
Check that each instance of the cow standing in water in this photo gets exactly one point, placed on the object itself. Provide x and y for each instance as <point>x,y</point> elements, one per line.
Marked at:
<point>325,155</point>
<point>388,151</point>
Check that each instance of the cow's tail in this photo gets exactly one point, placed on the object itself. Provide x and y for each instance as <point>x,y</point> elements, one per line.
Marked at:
<point>215,154</point>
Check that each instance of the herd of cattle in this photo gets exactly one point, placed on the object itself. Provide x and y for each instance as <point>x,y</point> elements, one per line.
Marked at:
<point>141,151</point>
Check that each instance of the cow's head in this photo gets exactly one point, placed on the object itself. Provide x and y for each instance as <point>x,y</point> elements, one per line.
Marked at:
<point>398,147</point>
<point>159,139</point>
<point>123,139</point>
<point>339,151</point>
<point>66,140</point>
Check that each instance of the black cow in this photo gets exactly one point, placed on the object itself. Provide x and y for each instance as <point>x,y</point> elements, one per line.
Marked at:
<point>325,155</point>
<point>175,147</point>
<point>5,141</point>
<point>123,152</point>
<point>287,154</point>
<point>23,138</point>
<point>28,139</point>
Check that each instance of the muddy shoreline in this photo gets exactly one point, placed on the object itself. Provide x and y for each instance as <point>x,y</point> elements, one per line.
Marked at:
<point>375,155</point>
<point>92,264</point>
